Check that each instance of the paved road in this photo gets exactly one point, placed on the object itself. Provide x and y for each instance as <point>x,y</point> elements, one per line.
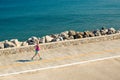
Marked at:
<point>65,55</point>
<point>101,70</point>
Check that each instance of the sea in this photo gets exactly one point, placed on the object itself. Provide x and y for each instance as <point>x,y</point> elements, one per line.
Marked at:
<point>22,19</point>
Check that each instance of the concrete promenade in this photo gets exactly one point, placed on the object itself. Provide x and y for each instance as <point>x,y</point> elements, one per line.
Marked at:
<point>95,66</point>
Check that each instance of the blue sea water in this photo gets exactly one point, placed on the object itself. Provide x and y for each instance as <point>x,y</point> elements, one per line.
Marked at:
<point>22,19</point>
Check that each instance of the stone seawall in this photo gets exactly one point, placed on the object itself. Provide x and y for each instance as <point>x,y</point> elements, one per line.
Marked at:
<point>45,46</point>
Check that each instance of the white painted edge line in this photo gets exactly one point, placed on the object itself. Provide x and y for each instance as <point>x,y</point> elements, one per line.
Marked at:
<point>60,66</point>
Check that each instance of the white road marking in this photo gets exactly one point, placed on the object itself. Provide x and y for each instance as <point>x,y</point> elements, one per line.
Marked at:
<point>60,66</point>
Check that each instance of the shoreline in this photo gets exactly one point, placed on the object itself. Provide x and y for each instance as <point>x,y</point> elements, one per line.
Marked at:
<point>63,36</point>
<point>53,45</point>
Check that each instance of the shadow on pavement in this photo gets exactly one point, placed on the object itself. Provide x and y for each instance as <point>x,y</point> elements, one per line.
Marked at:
<point>23,61</point>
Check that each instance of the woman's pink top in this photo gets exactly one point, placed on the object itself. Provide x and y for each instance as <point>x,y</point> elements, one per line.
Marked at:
<point>37,48</point>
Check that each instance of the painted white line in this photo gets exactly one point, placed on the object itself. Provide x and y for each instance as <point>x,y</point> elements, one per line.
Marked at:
<point>60,66</point>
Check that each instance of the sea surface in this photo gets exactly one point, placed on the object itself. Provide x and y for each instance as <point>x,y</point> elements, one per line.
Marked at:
<point>22,19</point>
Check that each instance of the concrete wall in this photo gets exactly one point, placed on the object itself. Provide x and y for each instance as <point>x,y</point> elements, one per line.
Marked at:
<point>53,45</point>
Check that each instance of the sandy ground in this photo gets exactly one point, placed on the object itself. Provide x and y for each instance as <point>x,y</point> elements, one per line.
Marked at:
<point>100,70</point>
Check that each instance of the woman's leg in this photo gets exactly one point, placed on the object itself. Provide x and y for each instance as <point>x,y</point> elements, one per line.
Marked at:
<point>39,56</point>
<point>34,55</point>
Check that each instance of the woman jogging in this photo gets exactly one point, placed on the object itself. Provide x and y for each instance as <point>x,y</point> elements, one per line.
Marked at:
<point>37,49</point>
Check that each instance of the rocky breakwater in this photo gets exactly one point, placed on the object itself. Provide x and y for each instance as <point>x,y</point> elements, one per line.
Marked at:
<point>12,43</point>
<point>63,36</point>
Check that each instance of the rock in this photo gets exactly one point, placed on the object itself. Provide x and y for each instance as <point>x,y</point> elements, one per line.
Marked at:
<point>64,35</point>
<point>60,38</point>
<point>81,33</point>
<point>54,35</point>
<point>111,31</point>
<point>8,44</point>
<point>117,31</point>
<point>71,37</point>
<point>24,44</point>
<point>16,42</point>
<point>57,39</point>
<point>54,40</point>
<point>30,41</point>
<point>104,31</point>
<point>71,33</point>
<point>1,45</point>
<point>78,35</point>
<point>48,38</point>
<point>97,33</point>
<point>88,34</point>
<point>42,40</point>
<point>91,34</point>
<point>65,32</point>
<point>33,40</point>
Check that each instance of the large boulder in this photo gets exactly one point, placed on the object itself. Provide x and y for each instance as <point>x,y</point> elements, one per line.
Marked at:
<point>117,31</point>
<point>88,34</point>
<point>97,33</point>
<point>33,40</point>
<point>60,38</point>
<point>24,44</point>
<point>64,35</point>
<point>1,45</point>
<point>78,35</point>
<point>104,31</point>
<point>66,32</point>
<point>91,34</point>
<point>42,40</point>
<point>55,35</point>
<point>16,42</point>
<point>111,31</point>
<point>71,33</point>
<point>8,44</point>
<point>48,39</point>
<point>71,37</point>
<point>57,39</point>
